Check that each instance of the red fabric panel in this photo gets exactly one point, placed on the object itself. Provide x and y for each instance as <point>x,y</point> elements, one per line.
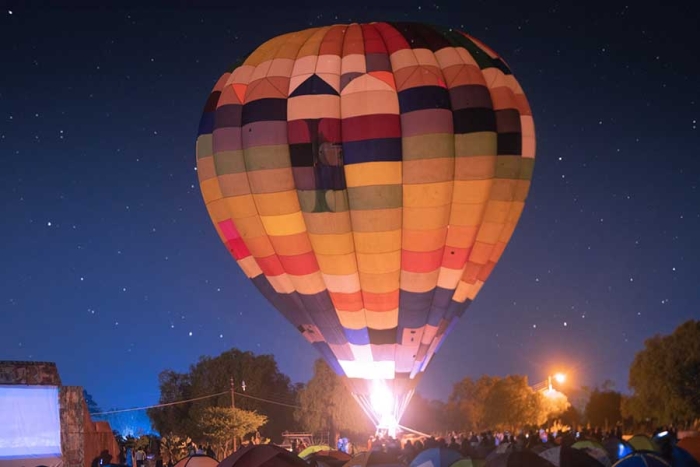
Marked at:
<point>366,127</point>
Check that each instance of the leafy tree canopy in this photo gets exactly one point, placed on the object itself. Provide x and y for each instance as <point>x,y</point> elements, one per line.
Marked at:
<point>326,405</point>
<point>211,375</point>
<point>665,377</point>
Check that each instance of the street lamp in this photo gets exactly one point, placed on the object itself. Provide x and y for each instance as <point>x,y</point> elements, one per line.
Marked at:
<point>558,377</point>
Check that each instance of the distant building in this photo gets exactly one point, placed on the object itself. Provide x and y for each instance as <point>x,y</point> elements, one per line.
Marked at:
<point>45,423</point>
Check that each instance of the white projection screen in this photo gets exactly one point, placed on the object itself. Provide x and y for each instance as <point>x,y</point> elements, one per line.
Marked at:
<point>30,430</point>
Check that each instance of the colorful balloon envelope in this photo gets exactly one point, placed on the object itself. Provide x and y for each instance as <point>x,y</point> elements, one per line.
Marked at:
<point>367,179</point>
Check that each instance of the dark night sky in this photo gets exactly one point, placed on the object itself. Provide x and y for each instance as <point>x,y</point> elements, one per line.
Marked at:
<point>112,269</point>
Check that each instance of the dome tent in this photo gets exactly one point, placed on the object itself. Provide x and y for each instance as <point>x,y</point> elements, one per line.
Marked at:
<point>197,460</point>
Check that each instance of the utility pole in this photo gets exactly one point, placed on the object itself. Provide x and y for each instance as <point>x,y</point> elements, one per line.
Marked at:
<point>233,406</point>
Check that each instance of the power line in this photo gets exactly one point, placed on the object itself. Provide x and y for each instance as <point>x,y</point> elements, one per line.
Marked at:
<point>160,405</point>
<point>196,399</point>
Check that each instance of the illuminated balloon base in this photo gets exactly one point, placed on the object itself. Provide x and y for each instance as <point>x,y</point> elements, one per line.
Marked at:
<point>384,407</point>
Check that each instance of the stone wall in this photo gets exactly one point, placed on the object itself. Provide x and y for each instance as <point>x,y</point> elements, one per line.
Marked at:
<point>31,373</point>
<point>82,440</point>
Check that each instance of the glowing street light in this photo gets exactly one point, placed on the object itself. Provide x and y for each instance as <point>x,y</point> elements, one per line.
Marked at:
<point>558,377</point>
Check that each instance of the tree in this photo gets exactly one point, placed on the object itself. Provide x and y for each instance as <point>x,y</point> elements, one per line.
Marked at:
<point>428,416</point>
<point>221,424</point>
<point>466,405</point>
<point>211,375</point>
<point>326,405</point>
<point>665,377</point>
<point>511,403</point>
<point>173,448</point>
<point>604,408</point>
<point>553,404</point>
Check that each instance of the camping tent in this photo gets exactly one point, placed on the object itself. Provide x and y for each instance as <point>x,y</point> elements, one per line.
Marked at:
<point>197,460</point>
<point>262,455</point>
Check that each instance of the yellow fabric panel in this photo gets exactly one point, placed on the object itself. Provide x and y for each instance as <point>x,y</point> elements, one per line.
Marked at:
<point>268,49</point>
<point>482,143</point>
<point>376,220</point>
<point>313,106</point>
<point>286,224</point>
<point>428,170</point>
<point>498,250</point>
<point>281,283</point>
<point>466,214</point>
<point>427,195</point>
<point>472,191</point>
<point>472,289</point>
<point>516,210</point>
<point>241,75</point>
<point>241,206</point>
<point>352,319</point>
<point>489,232</point>
<point>423,240</point>
<point>384,282</point>
<point>369,103</point>
<point>349,283</point>
<point>497,211</point>
<point>275,204</point>
<point>426,218</point>
<point>204,147</point>
<point>303,66</point>
<point>475,167</point>
<point>433,145</point>
<point>461,236</point>
<point>234,184</point>
<point>373,173</point>
<point>308,284</point>
<point>332,244</point>
<point>249,266</point>
<point>377,263</point>
<point>329,223</point>
<point>290,48</point>
<point>481,252</point>
<point>250,227</point>
<point>312,44</point>
<point>527,125</point>
<point>271,181</point>
<point>382,319</point>
<point>328,64</point>
<point>260,247</point>
<point>426,57</point>
<point>366,83</point>
<point>448,56</point>
<point>354,63</point>
<point>337,265</point>
<point>377,242</point>
<point>419,282</point>
<point>281,67</point>
<point>218,211</point>
<point>206,168</point>
<point>267,157</point>
<point>522,188</point>
<point>265,87</point>
<point>449,278</point>
<point>210,190</point>
<point>403,58</point>
<point>503,189</point>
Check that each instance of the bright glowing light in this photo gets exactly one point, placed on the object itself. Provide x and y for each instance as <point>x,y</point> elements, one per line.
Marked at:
<point>381,399</point>
<point>560,377</point>
<point>383,405</point>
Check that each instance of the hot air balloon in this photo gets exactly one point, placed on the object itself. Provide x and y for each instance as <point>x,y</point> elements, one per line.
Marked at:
<point>367,179</point>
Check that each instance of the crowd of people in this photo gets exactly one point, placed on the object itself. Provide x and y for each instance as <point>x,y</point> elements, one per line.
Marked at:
<point>480,445</point>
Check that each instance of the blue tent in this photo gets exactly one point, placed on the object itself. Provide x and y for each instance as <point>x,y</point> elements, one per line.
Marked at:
<point>436,457</point>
